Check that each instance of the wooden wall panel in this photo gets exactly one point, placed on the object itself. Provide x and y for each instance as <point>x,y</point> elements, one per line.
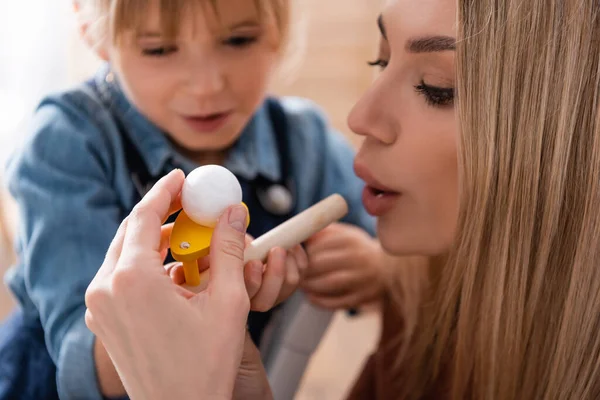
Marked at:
<point>341,36</point>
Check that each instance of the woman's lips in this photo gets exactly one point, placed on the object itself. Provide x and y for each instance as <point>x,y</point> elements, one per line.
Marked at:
<point>378,202</point>
<point>377,198</point>
<point>208,123</point>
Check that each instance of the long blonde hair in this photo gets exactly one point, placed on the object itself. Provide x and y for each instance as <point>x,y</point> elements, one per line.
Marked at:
<point>515,312</point>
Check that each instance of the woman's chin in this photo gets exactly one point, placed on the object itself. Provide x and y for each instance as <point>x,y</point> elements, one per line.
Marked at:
<point>393,241</point>
<point>403,241</point>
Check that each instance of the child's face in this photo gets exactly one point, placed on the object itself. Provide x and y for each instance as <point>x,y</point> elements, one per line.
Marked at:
<point>203,87</point>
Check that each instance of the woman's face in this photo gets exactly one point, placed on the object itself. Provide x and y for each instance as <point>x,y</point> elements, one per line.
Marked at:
<point>409,157</point>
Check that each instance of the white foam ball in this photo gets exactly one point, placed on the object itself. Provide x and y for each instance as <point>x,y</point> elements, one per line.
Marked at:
<point>207,192</point>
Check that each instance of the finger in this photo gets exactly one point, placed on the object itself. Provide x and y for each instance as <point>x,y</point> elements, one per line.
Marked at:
<point>292,275</point>
<point>334,284</point>
<point>177,273</point>
<point>253,273</point>
<point>165,236</point>
<point>175,207</point>
<point>327,262</point>
<point>301,258</point>
<point>143,228</point>
<point>116,245</point>
<point>322,235</point>
<point>163,255</point>
<point>227,251</point>
<point>272,281</point>
<point>248,239</point>
<point>292,278</point>
<point>114,252</point>
<point>336,236</point>
<point>170,266</point>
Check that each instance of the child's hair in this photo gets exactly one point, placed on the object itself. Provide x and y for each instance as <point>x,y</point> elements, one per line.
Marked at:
<point>109,19</point>
<point>515,312</point>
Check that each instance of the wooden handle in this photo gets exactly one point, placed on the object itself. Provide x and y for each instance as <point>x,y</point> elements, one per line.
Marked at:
<point>289,234</point>
<point>299,228</point>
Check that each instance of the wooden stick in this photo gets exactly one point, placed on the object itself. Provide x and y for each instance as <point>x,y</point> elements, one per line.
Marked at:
<point>289,234</point>
<point>299,228</point>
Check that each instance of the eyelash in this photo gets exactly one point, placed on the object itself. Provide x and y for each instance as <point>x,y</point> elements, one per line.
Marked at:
<point>381,63</point>
<point>161,51</point>
<point>434,96</point>
<point>238,42</point>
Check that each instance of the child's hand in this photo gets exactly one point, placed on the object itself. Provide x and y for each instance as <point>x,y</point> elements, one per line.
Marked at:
<point>267,284</point>
<point>345,268</point>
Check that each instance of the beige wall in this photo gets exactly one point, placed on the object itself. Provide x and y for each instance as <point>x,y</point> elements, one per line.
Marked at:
<point>341,36</point>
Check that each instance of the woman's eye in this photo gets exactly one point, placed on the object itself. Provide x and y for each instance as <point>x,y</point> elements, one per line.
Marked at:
<point>160,51</point>
<point>381,63</point>
<point>436,96</point>
<point>240,41</point>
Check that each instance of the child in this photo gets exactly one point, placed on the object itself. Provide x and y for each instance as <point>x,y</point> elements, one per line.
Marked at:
<point>184,85</point>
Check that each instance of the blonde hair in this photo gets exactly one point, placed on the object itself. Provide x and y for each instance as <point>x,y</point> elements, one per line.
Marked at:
<point>515,312</point>
<point>111,18</point>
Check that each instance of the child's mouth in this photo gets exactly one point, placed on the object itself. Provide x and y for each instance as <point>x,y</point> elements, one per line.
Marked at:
<point>207,123</point>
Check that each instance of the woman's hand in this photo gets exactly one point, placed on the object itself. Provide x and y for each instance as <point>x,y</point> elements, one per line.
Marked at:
<point>267,284</point>
<point>165,341</point>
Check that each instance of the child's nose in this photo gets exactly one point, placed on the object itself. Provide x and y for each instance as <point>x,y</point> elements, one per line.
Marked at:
<point>206,78</point>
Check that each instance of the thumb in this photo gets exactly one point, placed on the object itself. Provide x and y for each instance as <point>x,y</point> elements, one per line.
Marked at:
<point>227,251</point>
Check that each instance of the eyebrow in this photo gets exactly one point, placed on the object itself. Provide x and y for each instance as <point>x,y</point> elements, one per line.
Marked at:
<point>249,23</point>
<point>431,44</point>
<point>427,44</point>
<point>149,35</point>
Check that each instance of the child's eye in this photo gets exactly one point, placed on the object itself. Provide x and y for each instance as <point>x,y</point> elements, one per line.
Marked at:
<point>240,41</point>
<point>160,51</point>
<point>381,63</point>
<point>436,96</point>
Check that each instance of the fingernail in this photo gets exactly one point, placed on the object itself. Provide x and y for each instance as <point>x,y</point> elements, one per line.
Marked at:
<point>237,218</point>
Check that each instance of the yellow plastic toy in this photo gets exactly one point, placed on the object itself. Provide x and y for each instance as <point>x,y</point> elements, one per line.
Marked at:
<point>189,243</point>
<point>207,192</point>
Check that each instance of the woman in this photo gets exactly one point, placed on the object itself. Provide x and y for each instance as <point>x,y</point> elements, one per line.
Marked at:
<point>499,191</point>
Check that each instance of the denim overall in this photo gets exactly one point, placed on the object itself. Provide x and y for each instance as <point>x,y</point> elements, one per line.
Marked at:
<point>27,372</point>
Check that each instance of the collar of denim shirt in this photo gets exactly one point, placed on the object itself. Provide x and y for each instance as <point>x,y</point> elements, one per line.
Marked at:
<point>254,153</point>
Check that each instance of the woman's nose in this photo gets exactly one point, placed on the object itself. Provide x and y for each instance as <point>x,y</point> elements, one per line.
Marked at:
<point>369,117</point>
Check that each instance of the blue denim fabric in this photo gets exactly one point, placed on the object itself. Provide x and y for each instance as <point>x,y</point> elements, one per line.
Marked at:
<point>73,187</point>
